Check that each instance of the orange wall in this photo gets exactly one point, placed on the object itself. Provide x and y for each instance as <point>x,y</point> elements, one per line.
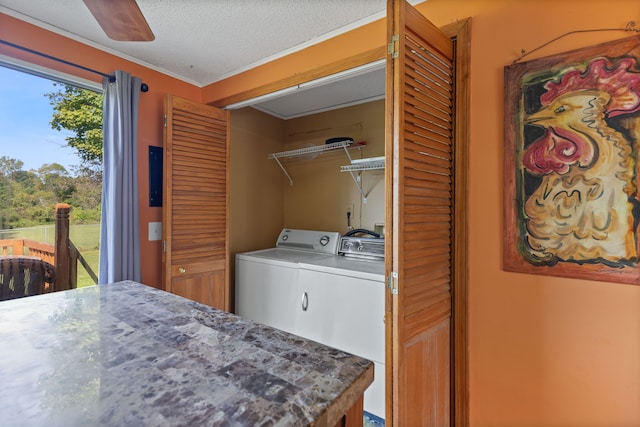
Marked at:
<point>543,351</point>
<point>150,113</point>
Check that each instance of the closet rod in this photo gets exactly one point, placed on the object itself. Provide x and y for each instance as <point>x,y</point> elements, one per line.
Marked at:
<point>112,78</point>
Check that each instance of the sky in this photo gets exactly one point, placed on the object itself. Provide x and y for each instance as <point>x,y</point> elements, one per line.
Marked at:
<point>25,114</point>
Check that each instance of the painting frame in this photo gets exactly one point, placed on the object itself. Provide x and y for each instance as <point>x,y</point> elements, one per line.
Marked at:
<point>544,224</point>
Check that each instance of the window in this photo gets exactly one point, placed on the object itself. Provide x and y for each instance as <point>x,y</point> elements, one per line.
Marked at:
<point>51,153</point>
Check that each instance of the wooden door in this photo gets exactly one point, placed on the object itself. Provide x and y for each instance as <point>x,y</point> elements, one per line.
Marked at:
<point>419,189</point>
<point>196,200</point>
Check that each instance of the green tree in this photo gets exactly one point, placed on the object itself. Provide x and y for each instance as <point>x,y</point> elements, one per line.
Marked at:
<point>55,179</point>
<point>79,111</point>
<point>11,175</point>
<point>9,166</point>
<point>28,198</point>
<point>86,199</point>
<point>28,204</point>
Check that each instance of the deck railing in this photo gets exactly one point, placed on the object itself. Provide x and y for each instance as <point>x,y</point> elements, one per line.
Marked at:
<point>28,247</point>
<point>63,254</point>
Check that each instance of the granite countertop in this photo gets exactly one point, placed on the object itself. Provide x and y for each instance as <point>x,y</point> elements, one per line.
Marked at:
<point>126,354</point>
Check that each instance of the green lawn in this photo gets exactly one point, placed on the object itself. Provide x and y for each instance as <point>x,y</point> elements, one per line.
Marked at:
<point>92,258</point>
<point>85,237</point>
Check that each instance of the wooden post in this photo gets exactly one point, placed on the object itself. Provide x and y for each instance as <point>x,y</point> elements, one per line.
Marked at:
<point>62,251</point>
<point>18,248</point>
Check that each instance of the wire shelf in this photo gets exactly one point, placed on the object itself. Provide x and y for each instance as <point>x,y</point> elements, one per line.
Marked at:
<point>365,165</point>
<point>359,165</point>
<point>315,149</point>
<point>345,145</point>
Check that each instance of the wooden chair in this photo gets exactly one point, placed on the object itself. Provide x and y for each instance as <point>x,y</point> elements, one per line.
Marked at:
<point>22,276</point>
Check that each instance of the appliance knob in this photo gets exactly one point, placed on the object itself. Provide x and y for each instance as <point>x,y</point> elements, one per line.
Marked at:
<point>324,240</point>
<point>285,237</point>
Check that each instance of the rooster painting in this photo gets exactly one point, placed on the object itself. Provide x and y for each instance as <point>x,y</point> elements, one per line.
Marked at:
<point>580,204</point>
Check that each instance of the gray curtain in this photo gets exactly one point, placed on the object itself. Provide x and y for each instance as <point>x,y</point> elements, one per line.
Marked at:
<point>120,222</point>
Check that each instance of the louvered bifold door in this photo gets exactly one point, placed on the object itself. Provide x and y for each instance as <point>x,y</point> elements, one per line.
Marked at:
<point>419,201</point>
<point>195,211</point>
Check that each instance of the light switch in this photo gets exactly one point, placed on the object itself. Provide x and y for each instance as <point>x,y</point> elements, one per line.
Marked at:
<point>155,231</point>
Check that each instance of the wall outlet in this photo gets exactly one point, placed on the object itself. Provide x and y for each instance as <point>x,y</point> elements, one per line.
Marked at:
<point>155,231</point>
<point>348,208</point>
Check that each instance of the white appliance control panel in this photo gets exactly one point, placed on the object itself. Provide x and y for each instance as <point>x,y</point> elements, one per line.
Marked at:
<point>362,247</point>
<point>310,240</point>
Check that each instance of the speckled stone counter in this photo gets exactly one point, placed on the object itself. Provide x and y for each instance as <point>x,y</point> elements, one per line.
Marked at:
<point>126,354</point>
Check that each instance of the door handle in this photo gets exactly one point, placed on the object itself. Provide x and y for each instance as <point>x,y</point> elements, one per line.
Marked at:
<point>182,270</point>
<point>305,301</point>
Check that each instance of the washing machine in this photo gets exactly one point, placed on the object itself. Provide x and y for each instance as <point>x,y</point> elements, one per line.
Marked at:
<point>267,279</point>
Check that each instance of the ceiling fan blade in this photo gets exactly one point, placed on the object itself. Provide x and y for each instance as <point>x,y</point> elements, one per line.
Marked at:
<point>121,20</point>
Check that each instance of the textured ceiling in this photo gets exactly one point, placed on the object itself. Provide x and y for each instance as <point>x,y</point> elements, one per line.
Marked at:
<point>203,41</point>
